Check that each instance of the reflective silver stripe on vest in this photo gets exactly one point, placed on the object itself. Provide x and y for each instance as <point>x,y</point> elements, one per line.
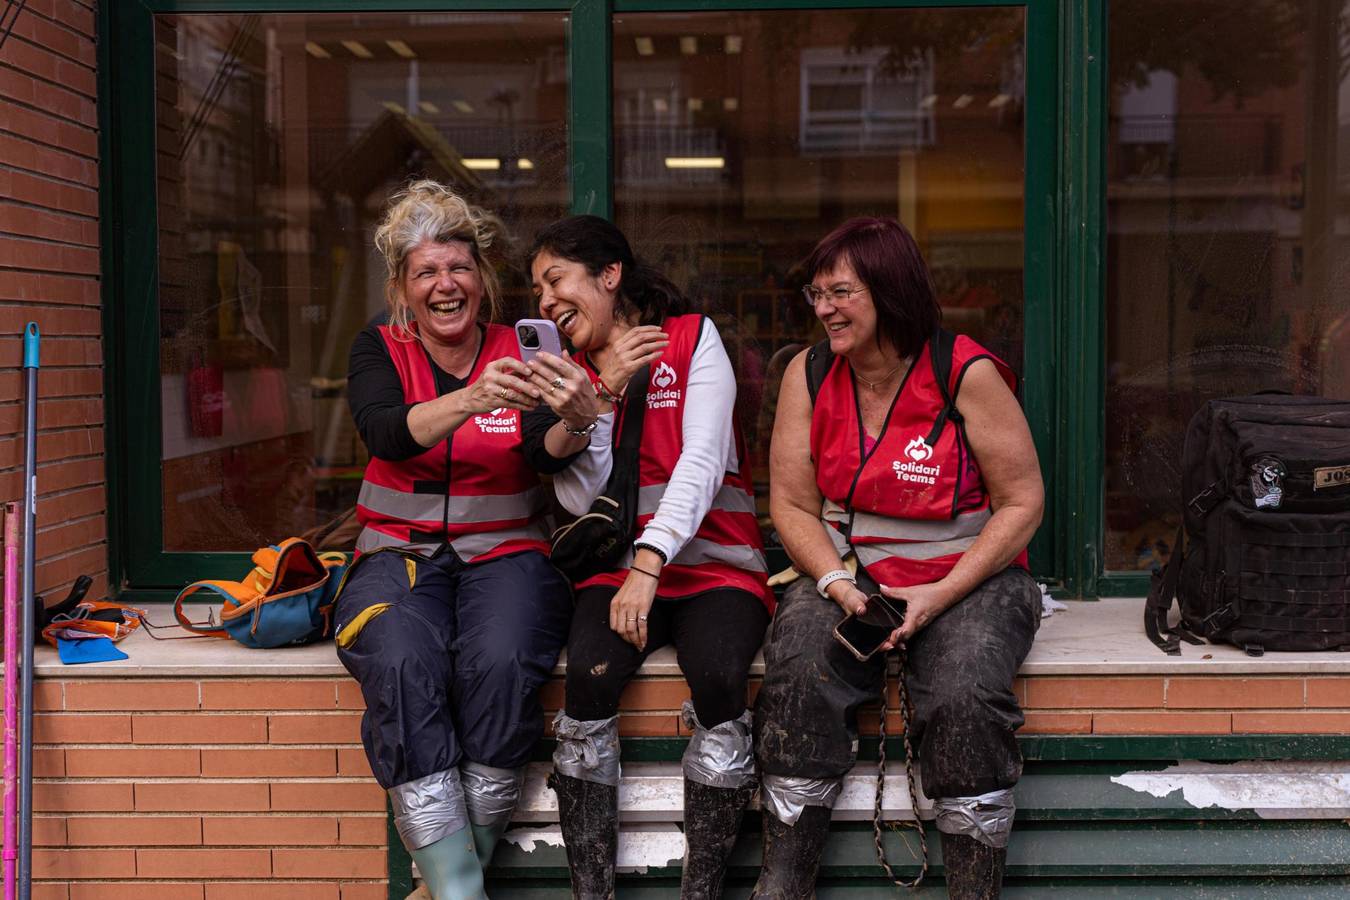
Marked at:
<point>739,555</point>
<point>370,539</point>
<point>470,545</point>
<point>406,506</point>
<point>467,546</point>
<point>913,538</point>
<point>966,525</point>
<point>729,498</point>
<point>874,553</point>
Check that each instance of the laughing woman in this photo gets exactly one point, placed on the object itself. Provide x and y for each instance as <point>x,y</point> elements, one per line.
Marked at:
<point>695,577</point>
<point>452,616</point>
<point>938,497</point>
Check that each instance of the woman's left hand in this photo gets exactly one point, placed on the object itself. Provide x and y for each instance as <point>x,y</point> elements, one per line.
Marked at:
<point>630,606</point>
<point>923,604</point>
<point>564,386</point>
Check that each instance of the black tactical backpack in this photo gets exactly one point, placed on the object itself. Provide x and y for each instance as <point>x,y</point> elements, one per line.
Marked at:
<point>1262,559</point>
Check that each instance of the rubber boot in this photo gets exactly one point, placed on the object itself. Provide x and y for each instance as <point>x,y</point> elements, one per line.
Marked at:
<point>792,855</point>
<point>589,815</point>
<point>712,822</point>
<point>974,870</point>
<point>449,867</point>
<point>485,838</point>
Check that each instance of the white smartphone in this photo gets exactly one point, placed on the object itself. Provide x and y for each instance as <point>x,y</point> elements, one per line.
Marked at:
<point>535,336</point>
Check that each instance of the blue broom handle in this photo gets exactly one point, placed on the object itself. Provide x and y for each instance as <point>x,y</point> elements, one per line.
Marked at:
<point>30,366</point>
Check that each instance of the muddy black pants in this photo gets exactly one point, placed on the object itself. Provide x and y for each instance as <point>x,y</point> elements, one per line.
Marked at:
<point>716,636</point>
<point>959,669</point>
<point>450,667</point>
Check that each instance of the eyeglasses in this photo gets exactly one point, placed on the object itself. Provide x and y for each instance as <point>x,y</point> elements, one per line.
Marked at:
<point>839,295</point>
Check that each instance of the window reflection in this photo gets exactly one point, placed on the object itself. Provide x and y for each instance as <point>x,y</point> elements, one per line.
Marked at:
<point>1227,271</point>
<point>742,138</point>
<point>280,137</point>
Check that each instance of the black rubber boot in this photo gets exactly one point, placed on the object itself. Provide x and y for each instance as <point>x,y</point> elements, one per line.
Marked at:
<point>712,822</point>
<point>792,855</point>
<point>589,815</point>
<point>974,869</point>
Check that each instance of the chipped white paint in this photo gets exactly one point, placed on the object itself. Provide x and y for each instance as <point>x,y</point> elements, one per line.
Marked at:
<point>1273,790</point>
<point>654,792</point>
<point>640,848</point>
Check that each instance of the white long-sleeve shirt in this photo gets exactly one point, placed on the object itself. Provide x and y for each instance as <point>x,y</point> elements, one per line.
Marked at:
<point>709,452</point>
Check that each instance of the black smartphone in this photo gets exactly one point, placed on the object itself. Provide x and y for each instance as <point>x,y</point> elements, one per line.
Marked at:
<point>864,633</point>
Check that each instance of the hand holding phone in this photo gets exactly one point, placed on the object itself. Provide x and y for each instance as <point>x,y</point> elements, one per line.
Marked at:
<point>864,633</point>
<point>535,336</point>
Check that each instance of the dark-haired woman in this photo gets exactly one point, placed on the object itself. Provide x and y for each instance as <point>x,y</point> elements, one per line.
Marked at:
<point>938,505</point>
<point>695,576</point>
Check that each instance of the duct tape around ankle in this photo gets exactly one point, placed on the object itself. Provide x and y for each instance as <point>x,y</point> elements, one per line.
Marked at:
<point>588,751</point>
<point>721,756</point>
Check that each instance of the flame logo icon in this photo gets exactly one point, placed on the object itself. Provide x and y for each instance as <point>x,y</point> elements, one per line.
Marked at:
<point>917,450</point>
<point>664,376</point>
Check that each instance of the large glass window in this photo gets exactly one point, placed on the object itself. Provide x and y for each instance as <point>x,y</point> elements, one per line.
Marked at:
<point>280,138</point>
<point>1228,267</point>
<point>741,138</point>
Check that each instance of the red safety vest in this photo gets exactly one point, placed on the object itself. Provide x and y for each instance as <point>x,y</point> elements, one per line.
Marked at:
<point>727,550</point>
<point>472,489</point>
<point>910,509</point>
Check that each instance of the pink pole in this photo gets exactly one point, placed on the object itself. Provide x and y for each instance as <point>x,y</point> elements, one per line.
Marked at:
<point>11,799</point>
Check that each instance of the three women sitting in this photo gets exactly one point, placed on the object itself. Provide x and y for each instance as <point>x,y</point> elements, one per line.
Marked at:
<point>452,618</point>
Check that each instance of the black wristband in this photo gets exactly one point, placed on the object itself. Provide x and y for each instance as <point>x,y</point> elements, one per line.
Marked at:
<point>637,547</point>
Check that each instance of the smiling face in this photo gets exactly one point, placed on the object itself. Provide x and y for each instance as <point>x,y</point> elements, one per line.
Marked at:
<point>581,304</point>
<point>443,289</point>
<point>850,324</point>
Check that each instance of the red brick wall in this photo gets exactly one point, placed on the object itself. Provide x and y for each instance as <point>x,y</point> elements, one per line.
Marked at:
<point>204,789</point>
<point>49,273</point>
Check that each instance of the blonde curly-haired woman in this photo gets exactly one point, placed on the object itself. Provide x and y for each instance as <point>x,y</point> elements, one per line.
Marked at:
<point>452,616</point>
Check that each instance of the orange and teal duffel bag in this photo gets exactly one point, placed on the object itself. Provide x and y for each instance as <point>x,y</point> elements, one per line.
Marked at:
<point>287,598</point>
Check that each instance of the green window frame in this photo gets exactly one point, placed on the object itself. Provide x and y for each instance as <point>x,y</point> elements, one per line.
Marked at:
<point>1063,240</point>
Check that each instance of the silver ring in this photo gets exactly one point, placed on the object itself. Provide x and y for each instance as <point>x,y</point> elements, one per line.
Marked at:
<point>642,618</point>
<point>557,382</point>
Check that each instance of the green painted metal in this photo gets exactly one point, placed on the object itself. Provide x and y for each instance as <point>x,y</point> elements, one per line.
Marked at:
<point>630,6</point>
<point>114,363</point>
<point>339,6</point>
<point>589,56</point>
<point>1124,584</point>
<point>1077,490</point>
<point>1041,313</point>
<point>1075,749</point>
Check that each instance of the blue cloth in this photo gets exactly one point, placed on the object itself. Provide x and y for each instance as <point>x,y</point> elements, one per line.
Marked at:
<point>88,650</point>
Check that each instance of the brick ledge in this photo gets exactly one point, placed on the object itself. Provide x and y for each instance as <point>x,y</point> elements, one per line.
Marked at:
<point>1104,637</point>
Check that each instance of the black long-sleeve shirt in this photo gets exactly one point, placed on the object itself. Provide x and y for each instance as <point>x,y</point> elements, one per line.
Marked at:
<point>380,408</point>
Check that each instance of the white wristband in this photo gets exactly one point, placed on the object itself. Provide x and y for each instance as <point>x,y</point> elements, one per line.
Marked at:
<point>830,578</point>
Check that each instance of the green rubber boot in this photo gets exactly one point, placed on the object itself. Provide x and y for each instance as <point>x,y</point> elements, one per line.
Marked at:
<point>485,838</point>
<point>450,869</point>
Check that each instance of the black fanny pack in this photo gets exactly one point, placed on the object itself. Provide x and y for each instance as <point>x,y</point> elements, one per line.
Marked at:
<point>597,541</point>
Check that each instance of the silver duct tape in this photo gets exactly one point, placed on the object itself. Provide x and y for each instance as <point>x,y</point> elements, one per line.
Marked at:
<point>490,793</point>
<point>588,751</point>
<point>429,808</point>
<point>721,756</point>
<point>785,796</point>
<point>987,818</point>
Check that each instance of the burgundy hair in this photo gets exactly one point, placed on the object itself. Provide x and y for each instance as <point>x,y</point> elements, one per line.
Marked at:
<point>888,261</point>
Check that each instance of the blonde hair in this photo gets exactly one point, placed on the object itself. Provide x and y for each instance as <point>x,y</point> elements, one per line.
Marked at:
<point>427,210</point>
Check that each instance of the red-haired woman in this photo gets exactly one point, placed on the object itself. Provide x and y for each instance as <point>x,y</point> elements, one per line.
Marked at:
<point>938,498</point>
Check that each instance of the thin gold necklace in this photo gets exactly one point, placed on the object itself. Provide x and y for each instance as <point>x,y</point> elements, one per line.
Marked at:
<point>873,385</point>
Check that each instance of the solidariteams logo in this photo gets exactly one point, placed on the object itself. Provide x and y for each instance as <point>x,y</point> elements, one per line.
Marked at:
<point>662,394</point>
<point>913,469</point>
<point>498,421</point>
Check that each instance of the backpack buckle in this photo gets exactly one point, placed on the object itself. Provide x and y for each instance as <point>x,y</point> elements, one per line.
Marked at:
<point>1221,618</point>
<point>1204,501</point>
